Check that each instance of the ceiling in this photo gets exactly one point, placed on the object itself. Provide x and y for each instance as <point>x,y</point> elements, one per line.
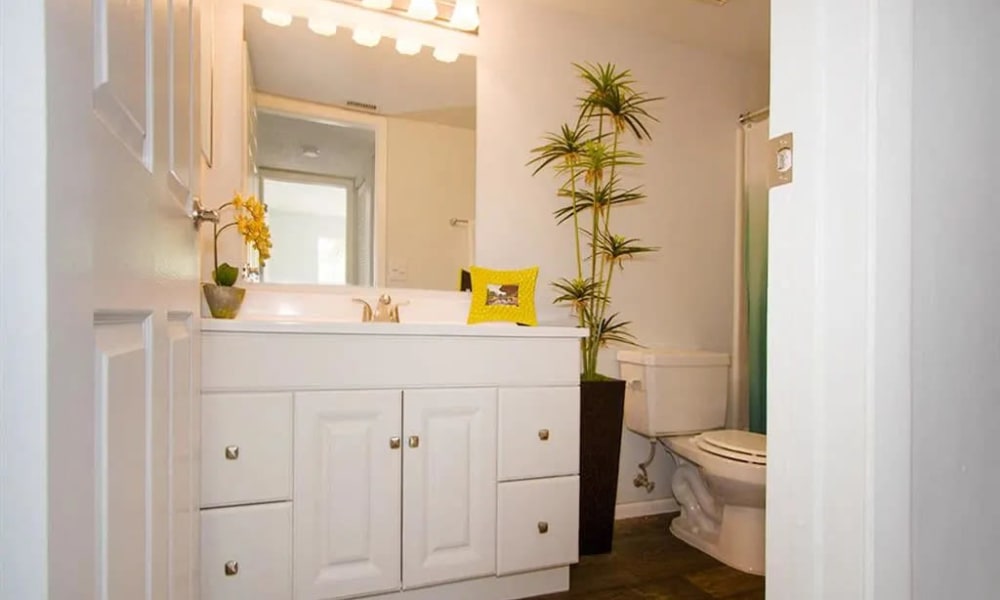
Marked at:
<point>346,152</point>
<point>295,62</point>
<point>738,28</point>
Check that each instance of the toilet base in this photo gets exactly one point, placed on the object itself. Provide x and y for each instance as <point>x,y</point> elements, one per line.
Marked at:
<point>740,524</point>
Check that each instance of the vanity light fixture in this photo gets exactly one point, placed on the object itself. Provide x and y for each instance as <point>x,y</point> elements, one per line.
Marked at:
<point>322,26</point>
<point>377,4</point>
<point>445,55</point>
<point>465,16</point>
<point>276,17</point>
<point>423,10</point>
<point>366,37</point>
<point>408,46</point>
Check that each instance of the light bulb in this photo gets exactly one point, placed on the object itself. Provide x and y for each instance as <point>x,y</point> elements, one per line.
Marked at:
<point>377,4</point>
<point>407,46</point>
<point>276,17</point>
<point>322,27</point>
<point>445,55</point>
<point>367,37</point>
<point>425,10</point>
<point>465,15</point>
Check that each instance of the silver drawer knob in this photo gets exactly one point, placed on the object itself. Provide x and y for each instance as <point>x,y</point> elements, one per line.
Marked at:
<point>543,527</point>
<point>232,452</point>
<point>543,434</point>
<point>232,568</point>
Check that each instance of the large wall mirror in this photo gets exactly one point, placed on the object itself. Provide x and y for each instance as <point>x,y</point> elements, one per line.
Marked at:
<point>364,155</point>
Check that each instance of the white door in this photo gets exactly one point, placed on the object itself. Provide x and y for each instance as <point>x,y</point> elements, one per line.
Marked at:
<point>123,300</point>
<point>347,492</point>
<point>449,478</point>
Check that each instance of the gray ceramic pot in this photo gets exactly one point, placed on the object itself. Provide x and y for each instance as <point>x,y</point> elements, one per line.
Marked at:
<point>223,301</point>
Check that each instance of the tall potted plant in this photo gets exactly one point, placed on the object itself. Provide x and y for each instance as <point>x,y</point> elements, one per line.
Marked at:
<point>589,157</point>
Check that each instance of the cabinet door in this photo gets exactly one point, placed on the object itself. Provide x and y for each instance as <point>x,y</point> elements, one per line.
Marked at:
<point>449,510</point>
<point>347,494</point>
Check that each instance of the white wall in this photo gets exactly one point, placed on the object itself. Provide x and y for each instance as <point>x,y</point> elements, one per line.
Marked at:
<point>227,173</point>
<point>956,294</point>
<point>24,420</point>
<point>681,296</point>
<point>431,179</point>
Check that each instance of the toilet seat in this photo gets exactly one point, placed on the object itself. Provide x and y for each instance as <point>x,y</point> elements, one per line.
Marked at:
<point>742,446</point>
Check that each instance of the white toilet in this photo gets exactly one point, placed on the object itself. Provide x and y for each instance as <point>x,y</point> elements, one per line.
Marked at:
<point>679,397</point>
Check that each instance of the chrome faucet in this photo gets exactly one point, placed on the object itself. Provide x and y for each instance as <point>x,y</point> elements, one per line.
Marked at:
<point>384,312</point>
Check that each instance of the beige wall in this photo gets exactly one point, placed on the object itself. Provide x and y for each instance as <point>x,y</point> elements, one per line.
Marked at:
<point>682,296</point>
<point>431,179</point>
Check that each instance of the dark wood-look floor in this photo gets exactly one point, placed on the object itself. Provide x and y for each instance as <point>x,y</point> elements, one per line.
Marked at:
<point>649,563</point>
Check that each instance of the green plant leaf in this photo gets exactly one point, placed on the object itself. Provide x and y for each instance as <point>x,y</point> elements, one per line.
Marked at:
<point>617,248</point>
<point>563,147</point>
<point>612,95</point>
<point>226,275</point>
<point>577,293</point>
<point>612,329</point>
<point>608,195</point>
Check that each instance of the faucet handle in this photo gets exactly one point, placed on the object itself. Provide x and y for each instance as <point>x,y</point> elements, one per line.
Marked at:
<point>366,312</point>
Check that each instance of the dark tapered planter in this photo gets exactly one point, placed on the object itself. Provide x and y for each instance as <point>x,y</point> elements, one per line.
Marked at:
<point>602,405</point>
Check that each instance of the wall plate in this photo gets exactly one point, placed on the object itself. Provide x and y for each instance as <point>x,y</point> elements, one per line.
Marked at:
<point>782,151</point>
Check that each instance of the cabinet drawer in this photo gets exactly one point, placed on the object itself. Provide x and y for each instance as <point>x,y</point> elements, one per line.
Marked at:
<point>539,432</point>
<point>537,524</point>
<point>246,552</point>
<point>246,448</point>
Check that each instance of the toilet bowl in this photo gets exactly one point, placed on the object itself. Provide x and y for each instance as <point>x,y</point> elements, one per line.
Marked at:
<point>679,398</point>
<point>720,485</point>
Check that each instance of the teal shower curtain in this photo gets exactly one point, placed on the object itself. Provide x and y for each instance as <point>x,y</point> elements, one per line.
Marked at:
<point>755,195</point>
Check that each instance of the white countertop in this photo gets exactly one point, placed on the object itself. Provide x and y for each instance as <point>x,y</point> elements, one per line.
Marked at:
<point>294,325</point>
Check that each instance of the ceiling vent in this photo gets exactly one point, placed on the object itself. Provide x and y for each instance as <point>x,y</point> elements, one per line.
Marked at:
<point>362,105</point>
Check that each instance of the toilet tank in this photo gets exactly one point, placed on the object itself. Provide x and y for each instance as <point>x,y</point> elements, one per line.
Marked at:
<point>674,392</point>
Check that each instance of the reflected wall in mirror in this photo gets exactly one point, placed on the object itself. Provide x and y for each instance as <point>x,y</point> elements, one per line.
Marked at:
<point>365,157</point>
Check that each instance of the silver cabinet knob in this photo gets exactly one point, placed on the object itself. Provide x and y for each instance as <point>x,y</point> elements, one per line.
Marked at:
<point>394,443</point>
<point>543,527</point>
<point>232,568</point>
<point>414,441</point>
<point>232,452</point>
<point>543,434</point>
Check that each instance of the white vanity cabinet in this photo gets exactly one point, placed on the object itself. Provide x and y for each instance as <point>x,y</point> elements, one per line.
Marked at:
<point>388,461</point>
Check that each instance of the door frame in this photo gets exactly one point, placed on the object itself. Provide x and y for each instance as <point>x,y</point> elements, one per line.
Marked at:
<point>23,387</point>
<point>839,302</point>
<point>842,82</point>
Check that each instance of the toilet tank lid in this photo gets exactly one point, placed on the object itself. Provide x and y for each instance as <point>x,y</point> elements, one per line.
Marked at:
<point>665,357</point>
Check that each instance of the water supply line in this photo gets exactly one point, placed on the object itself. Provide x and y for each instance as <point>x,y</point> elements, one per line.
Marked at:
<point>642,479</point>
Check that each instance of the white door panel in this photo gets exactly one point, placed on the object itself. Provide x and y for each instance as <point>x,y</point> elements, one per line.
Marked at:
<point>123,310</point>
<point>449,513</point>
<point>124,436</point>
<point>347,494</point>
<point>182,477</point>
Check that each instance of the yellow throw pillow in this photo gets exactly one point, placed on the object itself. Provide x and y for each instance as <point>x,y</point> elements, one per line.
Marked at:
<point>503,296</point>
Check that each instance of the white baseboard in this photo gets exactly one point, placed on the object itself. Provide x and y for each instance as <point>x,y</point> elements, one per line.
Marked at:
<point>646,508</point>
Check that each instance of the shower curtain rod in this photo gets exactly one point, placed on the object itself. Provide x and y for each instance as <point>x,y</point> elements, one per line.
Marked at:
<point>754,116</point>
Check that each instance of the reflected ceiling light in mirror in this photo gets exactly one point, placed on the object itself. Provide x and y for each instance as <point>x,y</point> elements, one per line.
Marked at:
<point>465,15</point>
<point>377,4</point>
<point>445,55</point>
<point>424,10</point>
<point>310,151</point>
<point>366,37</point>
<point>408,46</point>
<point>276,17</point>
<point>322,26</point>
